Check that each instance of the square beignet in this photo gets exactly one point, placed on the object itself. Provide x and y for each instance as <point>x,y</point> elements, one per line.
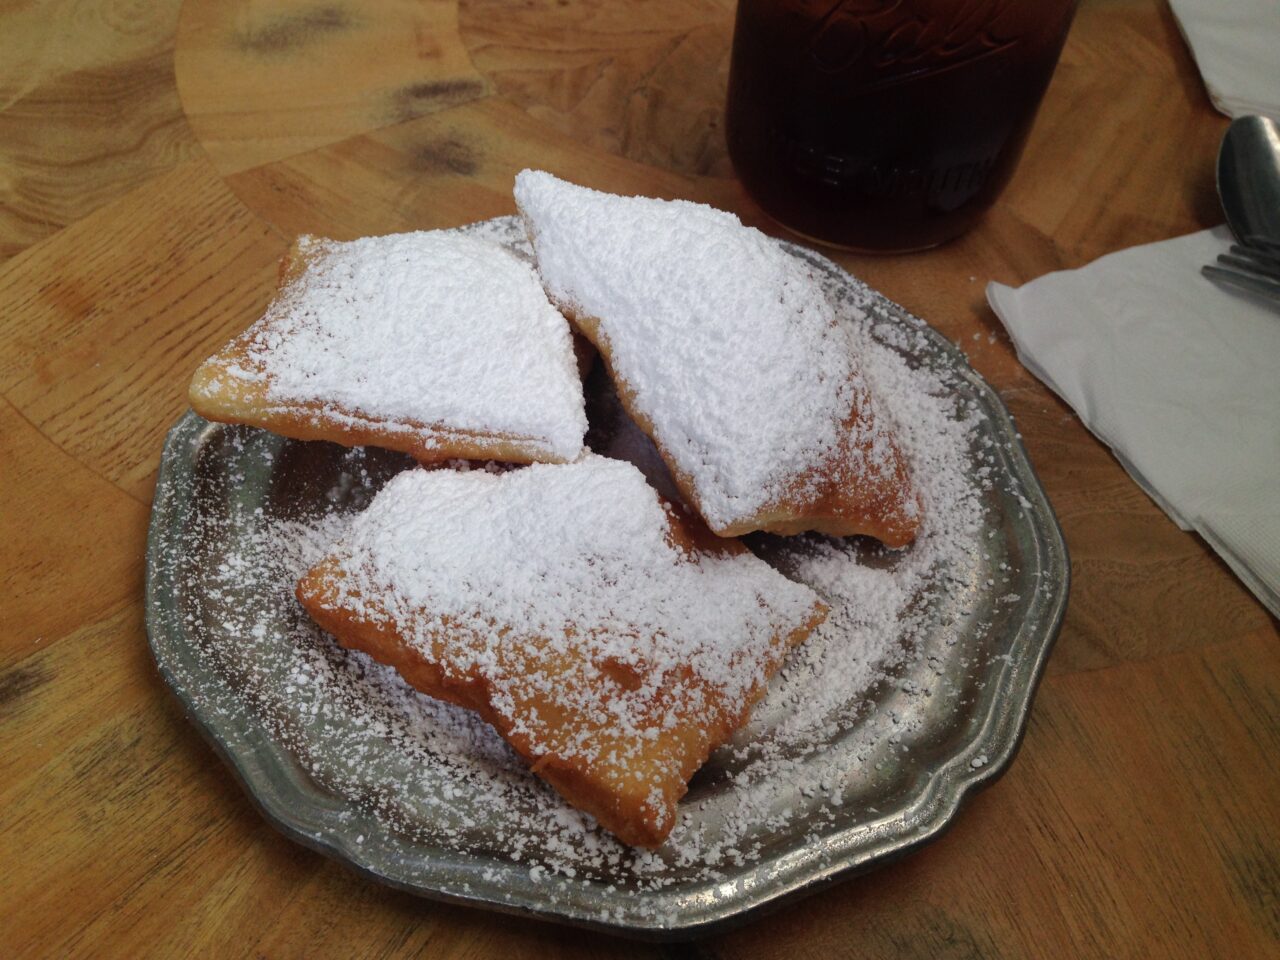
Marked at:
<point>726,352</point>
<point>433,343</point>
<point>613,644</point>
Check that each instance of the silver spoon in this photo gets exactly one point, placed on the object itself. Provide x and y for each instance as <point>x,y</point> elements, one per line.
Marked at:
<point>1249,180</point>
<point>1249,187</point>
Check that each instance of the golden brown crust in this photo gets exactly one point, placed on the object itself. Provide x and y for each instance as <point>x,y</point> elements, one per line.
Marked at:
<point>618,792</point>
<point>215,396</point>
<point>216,393</point>
<point>888,510</point>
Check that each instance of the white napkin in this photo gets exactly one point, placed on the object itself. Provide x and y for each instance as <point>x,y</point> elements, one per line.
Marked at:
<point>1179,377</point>
<point>1236,44</point>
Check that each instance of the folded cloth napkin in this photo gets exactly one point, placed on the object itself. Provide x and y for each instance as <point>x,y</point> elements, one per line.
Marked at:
<point>1179,377</point>
<point>1236,44</point>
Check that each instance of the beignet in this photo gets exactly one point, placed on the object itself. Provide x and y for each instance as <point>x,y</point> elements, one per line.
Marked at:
<point>726,352</point>
<point>436,344</point>
<point>611,642</point>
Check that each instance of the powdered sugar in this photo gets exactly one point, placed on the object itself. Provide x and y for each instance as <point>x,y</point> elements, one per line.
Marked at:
<point>730,347</point>
<point>575,550</point>
<point>433,328</point>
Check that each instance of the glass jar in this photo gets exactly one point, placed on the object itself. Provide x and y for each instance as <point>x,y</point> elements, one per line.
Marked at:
<point>886,125</point>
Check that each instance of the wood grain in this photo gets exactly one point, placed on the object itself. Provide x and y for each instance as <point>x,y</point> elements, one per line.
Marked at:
<point>44,487</point>
<point>440,170</point>
<point>118,309</point>
<point>264,81</point>
<point>644,80</point>
<point>88,110</point>
<point>154,163</point>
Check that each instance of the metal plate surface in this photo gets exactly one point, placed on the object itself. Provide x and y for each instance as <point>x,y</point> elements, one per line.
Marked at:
<point>900,790</point>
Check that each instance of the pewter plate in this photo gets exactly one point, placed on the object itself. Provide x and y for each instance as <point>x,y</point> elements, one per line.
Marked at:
<point>937,725</point>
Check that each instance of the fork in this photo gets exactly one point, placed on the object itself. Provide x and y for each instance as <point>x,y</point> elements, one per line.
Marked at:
<point>1253,266</point>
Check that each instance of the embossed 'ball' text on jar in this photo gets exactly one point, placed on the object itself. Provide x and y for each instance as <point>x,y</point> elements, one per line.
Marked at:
<point>886,125</point>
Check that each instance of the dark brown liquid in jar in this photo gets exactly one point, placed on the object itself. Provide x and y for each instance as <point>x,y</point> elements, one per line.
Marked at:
<point>886,124</point>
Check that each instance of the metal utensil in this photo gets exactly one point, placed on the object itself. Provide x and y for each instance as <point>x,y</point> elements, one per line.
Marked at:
<point>1249,187</point>
<point>1249,180</point>
<point>1229,276</point>
<point>1253,269</point>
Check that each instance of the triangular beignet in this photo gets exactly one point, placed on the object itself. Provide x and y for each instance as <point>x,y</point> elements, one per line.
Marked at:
<point>433,343</point>
<point>612,644</point>
<point>727,353</point>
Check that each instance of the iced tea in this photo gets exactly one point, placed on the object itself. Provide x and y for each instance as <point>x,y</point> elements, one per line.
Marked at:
<point>886,124</point>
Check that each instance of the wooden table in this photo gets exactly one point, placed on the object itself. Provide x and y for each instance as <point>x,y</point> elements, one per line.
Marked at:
<point>156,158</point>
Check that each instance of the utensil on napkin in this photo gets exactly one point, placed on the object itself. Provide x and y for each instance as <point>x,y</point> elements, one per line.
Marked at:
<point>1235,45</point>
<point>1249,187</point>
<point>1180,379</point>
